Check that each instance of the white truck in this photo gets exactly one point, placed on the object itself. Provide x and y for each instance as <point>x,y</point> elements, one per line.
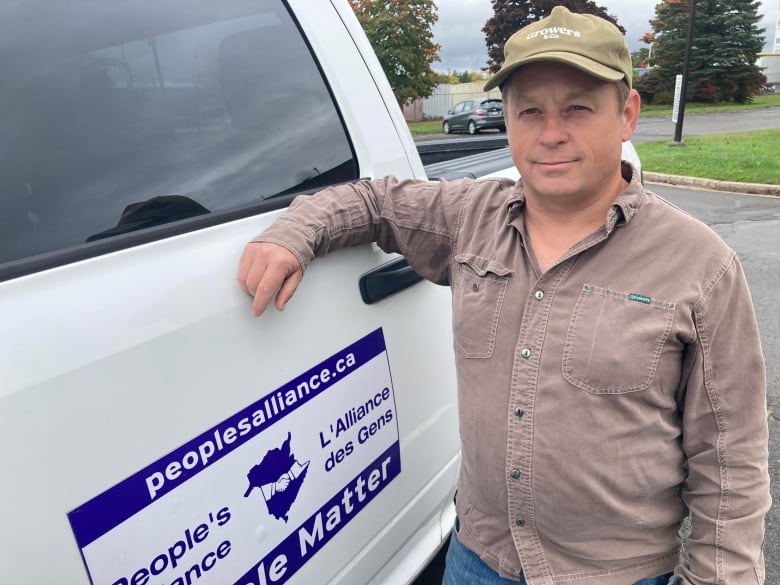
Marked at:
<point>151,431</point>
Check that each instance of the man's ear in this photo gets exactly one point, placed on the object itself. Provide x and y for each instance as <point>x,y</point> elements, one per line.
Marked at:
<point>631,113</point>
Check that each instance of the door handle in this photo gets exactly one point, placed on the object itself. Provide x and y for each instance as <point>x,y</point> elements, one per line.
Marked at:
<point>386,280</point>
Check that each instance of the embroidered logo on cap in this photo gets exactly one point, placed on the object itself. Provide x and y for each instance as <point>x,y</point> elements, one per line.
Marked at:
<point>554,32</point>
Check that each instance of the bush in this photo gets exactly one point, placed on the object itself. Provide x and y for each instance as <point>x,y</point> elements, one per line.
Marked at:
<point>650,85</point>
<point>705,91</point>
<point>663,98</point>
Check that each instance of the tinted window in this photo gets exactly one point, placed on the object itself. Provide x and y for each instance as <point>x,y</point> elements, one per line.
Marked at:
<point>121,115</point>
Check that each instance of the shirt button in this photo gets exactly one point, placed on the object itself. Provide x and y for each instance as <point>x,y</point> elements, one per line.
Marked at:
<point>539,295</point>
<point>520,522</point>
<point>475,287</point>
<point>519,412</point>
<point>526,353</point>
<point>515,473</point>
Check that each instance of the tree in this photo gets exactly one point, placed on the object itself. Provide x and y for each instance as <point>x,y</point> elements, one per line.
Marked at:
<point>464,77</point>
<point>511,15</point>
<point>641,58</point>
<point>401,35</point>
<point>723,53</point>
<point>458,77</point>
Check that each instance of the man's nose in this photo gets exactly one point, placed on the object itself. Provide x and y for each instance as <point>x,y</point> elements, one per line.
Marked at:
<point>553,130</point>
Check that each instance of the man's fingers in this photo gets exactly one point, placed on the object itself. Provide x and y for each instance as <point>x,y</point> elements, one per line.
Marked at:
<point>244,265</point>
<point>287,290</point>
<point>267,286</point>
<point>249,271</point>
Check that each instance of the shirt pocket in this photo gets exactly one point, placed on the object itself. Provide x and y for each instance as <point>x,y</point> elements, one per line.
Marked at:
<point>478,295</point>
<point>614,340</point>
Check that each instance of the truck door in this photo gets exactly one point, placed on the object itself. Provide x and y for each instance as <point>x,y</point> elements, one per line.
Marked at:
<point>151,431</point>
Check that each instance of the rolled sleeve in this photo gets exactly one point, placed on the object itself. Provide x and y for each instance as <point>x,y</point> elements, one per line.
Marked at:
<point>418,219</point>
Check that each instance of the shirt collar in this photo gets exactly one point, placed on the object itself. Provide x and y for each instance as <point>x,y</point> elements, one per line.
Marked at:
<point>630,200</point>
<point>516,202</point>
<point>621,212</point>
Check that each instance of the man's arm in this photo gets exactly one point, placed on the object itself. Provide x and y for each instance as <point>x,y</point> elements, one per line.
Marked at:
<point>415,218</point>
<point>725,437</point>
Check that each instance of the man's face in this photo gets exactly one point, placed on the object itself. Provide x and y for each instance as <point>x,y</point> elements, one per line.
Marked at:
<point>565,132</point>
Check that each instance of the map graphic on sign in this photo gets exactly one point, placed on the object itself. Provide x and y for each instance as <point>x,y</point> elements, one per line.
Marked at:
<point>279,477</point>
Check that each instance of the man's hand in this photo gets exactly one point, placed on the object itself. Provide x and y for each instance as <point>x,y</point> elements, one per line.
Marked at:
<point>267,270</point>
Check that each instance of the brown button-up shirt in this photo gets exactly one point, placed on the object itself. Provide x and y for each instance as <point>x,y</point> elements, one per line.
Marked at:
<point>598,401</point>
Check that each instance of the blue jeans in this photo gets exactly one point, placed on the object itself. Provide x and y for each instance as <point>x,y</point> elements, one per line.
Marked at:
<point>464,567</point>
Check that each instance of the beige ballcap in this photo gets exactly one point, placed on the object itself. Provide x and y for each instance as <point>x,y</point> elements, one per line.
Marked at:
<point>584,41</point>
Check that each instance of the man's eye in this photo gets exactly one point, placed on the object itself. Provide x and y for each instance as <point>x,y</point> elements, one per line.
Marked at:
<point>529,112</point>
<point>578,108</point>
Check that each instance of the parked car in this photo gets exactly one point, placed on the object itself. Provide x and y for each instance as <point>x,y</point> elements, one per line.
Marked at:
<point>475,115</point>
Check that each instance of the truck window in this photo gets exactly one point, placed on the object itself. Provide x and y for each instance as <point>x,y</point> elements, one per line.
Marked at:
<point>120,116</point>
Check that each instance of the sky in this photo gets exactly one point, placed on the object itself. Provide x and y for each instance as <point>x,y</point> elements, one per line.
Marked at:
<point>459,29</point>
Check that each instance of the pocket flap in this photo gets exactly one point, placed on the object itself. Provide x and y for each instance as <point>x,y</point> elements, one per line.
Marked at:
<point>483,266</point>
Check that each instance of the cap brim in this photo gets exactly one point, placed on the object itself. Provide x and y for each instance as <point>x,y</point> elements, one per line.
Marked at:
<point>584,64</point>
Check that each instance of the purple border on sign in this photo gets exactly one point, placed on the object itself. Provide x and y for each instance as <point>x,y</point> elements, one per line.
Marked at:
<point>109,509</point>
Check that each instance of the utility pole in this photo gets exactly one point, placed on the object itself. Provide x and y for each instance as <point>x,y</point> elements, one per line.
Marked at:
<point>686,65</point>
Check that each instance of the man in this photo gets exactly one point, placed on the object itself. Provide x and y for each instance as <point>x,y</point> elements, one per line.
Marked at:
<point>610,376</point>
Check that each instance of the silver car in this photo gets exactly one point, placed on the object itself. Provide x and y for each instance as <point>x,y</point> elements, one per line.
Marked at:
<point>474,115</point>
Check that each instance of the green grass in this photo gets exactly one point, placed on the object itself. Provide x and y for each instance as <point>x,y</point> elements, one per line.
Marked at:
<point>425,127</point>
<point>760,101</point>
<point>746,157</point>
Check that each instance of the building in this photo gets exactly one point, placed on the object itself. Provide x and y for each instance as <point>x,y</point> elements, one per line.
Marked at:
<point>771,61</point>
